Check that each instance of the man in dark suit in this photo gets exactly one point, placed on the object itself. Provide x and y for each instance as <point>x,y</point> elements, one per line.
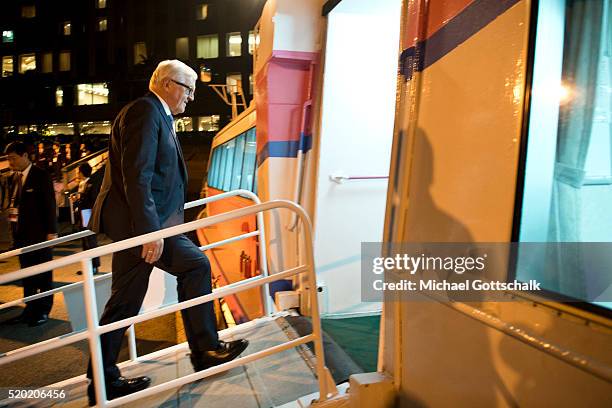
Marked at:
<point>33,220</point>
<point>144,191</point>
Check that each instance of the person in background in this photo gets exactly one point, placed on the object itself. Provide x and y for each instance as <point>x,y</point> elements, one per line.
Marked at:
<point>32,215</point>
<point>86,197</point>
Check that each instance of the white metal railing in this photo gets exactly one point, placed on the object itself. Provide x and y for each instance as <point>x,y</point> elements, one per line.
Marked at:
<point>94,330</point>
<point>266,300</point>
<point>192,204</point>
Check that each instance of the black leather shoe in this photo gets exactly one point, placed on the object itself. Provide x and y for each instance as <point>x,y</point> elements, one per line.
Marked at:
<point>38,320</point>
<point>227,351</point>
<point>118,388</point>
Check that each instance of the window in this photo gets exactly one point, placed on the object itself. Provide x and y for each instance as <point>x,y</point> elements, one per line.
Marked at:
<point>568,167</point>
<point>182,48</point>
<point>233,164</point>
<point>237,165</point>
<point>59,96</point>
<point>8,36</point>
<point>92,94</point>
<point>102,24</point>
<point>7,66</point>
<point>28,11</point>
<point>27,62</point>
<point>64,61</point>
<point>96,128</point>
<point>228,164</point>
<point>67,28</point>
<point>201,11</point>
<point>47,62</point>
<point>234,44</point>
<point>140,53</point>
<point>205,74</point>
<point>208,46</point>
<point>184,124</point>
<point>234,82</point>
<point>100,4</point>
<point>253,41</point>
<point>208,123</point>
<point>250,158</point>
<point>60,129</point>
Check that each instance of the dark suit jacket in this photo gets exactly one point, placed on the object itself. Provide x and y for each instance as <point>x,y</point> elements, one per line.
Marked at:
<point>144,181</point>
<point>37,211</point>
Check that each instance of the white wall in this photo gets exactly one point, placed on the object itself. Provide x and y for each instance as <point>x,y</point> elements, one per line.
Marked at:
<point>356,133</point>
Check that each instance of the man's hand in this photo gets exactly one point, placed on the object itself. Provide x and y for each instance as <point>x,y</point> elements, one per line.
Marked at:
<point>51,236</point>
<point>151,251</point>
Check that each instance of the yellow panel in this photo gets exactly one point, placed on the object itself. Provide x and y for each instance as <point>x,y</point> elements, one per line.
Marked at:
<point>466,147</point>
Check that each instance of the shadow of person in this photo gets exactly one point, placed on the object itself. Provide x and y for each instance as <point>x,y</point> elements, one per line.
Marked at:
<point>449,358</point>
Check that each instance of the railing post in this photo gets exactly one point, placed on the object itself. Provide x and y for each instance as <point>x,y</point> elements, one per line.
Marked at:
<point>267,301</point>
<point>95,350</point>
<point>314,306</point>
<point>132,343</point>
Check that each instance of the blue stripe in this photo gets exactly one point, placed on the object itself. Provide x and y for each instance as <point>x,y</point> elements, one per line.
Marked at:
<point>286,148</point>
<point>458,30</point>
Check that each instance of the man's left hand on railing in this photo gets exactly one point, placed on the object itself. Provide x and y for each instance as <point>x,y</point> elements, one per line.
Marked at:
<point>51,236</point>
<point>151,251</point>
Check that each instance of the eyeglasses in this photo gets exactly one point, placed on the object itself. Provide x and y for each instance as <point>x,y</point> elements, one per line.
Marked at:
<point>188,90</point>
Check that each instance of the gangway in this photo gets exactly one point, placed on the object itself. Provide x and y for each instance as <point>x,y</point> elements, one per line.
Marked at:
<point>275,369</point>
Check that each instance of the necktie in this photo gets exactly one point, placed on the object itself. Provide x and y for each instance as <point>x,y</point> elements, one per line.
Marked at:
<point>172,125</point>
<point>18,187</point>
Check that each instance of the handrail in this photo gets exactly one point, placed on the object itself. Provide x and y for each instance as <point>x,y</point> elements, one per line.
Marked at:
<point>569,356</point>
<point>94,330</point>
<point>50,292</point>
<point>76,164</point>
<point>341,178</point>
<point>191,204</point>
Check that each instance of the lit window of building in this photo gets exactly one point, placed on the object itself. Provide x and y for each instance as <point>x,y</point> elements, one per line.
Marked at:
<point>28,11</point>
<point>102,24</point>
<point>234,44</point>
<point>27,62</point>
<point>208,123</point>
<point>64,61</point>
<point>202,11</point>
<point>96,128</point>
<point>251,84</point>
<point>184,124</point>
<point>7,66</point>
<point>8,36</point>
<point>205,73</point>
<point>253,42</point>
<point>233,82</point>
<point>47,62</point>
<point>67,28</point>
<point>208,46</point>
<point>100,4</point>
<point>182,48</point>
<point>59,96</point>
<point>92,94</point>
<point>60,129</point>
<point>140,52</point>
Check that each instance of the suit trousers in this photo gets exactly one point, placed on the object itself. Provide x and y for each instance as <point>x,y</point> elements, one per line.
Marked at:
<point>181,258</point>
<point>37,284</point>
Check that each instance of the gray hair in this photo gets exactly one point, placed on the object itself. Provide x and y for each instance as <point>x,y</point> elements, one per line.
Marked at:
<point>173,69</point>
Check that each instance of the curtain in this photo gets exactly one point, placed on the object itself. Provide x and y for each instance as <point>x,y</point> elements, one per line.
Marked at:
<point>581,54</point>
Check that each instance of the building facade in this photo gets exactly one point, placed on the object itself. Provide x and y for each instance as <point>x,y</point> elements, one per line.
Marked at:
<point>69,66</point>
